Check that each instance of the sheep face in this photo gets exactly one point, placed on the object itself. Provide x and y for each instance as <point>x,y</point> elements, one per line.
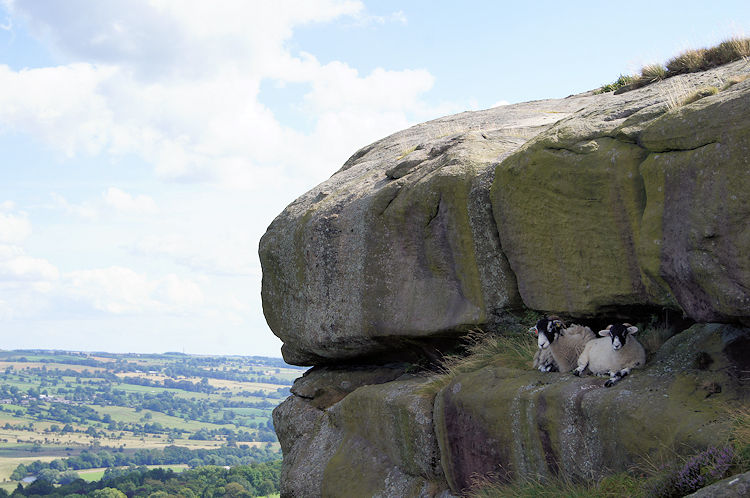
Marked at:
<point>547,330</point>
<point>619,334</point>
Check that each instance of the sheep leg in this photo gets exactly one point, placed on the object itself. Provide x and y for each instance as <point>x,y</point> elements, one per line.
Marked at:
<point>583,362</point>
<point>615,377</point>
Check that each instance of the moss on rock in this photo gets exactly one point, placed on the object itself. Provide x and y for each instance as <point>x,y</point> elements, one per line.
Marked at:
<point>507,423</point>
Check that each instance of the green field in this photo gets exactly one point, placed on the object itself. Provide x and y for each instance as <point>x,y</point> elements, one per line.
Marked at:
<point>56,406</point>
<point>96,474</point>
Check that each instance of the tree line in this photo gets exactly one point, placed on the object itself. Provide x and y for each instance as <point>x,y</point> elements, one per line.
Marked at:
<point>171,455</point>
<point>260,479</point>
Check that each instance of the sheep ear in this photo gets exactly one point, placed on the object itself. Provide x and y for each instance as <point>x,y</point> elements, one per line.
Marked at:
<point>559,323</point>
<point>632,329</point>
<point>604,333</point>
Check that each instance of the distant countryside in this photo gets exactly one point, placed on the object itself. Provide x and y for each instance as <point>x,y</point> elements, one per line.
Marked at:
<point>68,415</point>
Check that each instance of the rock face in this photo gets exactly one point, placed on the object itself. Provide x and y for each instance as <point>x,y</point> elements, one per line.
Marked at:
<point>584,206</point>
<point>397,438</point>
<point>592,207</point>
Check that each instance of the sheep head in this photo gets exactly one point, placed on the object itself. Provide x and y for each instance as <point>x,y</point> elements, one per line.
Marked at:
<point>547,329</point>
<point>618,332</point>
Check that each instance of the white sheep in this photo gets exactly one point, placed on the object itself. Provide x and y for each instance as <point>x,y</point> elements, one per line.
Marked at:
<point>559,347</point>
<point>615,355</point>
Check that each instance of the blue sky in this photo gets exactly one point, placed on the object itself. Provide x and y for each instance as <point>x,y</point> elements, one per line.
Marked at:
<point>147,144</point>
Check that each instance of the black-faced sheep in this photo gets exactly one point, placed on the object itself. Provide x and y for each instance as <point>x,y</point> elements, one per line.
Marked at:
<point>614,355</point>
<point>559,347</point>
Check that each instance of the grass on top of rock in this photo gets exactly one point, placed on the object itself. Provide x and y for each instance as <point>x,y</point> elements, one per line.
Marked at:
<point>513,349</point>
<point>705,91</point>
<point>689,61</point>
<point>622,81</point>
<point>733,80</point>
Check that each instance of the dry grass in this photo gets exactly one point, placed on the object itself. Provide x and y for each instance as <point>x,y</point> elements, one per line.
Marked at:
<point>702,92</point>
<point>676,92</point>
<point>514,350</point>
<point>694,60</point>
<point>691,61</point>
<point>740,436</point>
<point>617,485</point>
<point>652,73</point>
<point>652,338</point>
<point>733,80</point>
<point>406,152</point>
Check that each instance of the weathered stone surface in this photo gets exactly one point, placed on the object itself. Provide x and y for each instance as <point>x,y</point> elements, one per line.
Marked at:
<point>376,440</point>
<point>732,487</point>
<point>324,386</point>
<point>389,446</point>
<point>308,441</point>
<point>401,242</point>
<point>598,214</point>
<point>507,423</point>
<point>583,206</point>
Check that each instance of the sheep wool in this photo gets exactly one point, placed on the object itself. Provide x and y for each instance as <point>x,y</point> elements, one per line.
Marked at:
<point>569,345</point>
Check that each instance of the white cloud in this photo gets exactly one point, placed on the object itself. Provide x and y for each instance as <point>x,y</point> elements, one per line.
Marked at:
<point>14,228</point>
<point>125,203</point>
<point>16,265</point>
<point>190,106</point>
<point>85,210</point>
<point>59,105</point>
<point>121,290</point>
<point>218,255</point>
<point>500,103</point>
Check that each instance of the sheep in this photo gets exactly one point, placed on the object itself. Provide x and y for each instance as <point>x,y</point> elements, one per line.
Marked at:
<point>559,347</point>
<point>615,355</point>
<point>544,361</point>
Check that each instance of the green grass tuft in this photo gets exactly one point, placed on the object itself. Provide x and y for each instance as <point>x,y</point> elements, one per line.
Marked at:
<point>622,81</point>
<point>512,350</point>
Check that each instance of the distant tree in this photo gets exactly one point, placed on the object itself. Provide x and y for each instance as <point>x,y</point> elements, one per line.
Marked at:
<point>108,493</point>
<point>19,473</point>
<point>235,489</point>
<point>67,477</point>
<point>50,475</point>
